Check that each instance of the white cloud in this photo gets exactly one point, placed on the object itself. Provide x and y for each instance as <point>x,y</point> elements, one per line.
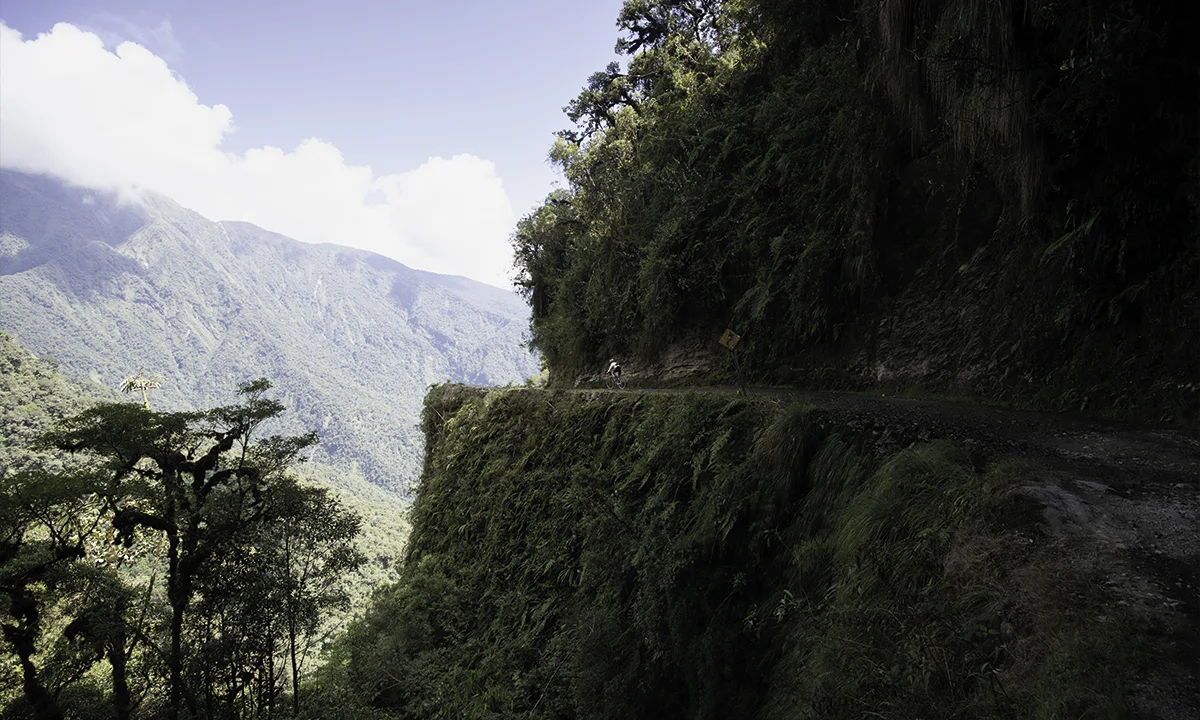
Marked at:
<point>115,29</point>
<point>122,120</point>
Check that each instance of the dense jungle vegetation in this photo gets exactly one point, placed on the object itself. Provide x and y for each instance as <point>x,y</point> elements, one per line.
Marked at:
<point>160,564</point>
<point>35,395</point>
<point>993,199</point>
<point>990,198</point>
<point>623,555</point>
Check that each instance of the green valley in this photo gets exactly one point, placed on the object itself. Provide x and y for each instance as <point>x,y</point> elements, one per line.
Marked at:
<point>349,338</point>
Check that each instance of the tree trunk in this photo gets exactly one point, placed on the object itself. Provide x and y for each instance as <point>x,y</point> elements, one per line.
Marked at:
<point>175,660</point>
<point>44,705</point>
<point>178,597</point>
<point>22,637</point>
<point>120,679</point>
<point>295,665</point>
<point>268,670</point>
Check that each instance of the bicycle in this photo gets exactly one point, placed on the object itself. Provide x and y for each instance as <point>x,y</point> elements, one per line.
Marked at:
<point>614,382</point>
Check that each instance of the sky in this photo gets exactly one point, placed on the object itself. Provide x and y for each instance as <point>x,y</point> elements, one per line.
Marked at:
<point>418,130</point>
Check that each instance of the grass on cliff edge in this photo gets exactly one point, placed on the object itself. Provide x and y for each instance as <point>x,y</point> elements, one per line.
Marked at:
<point>698,556</point>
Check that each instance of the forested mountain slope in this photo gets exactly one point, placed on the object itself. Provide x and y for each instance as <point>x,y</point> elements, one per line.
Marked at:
<point>996,200</point>
<point>33,397</point>
<point>350,338</point>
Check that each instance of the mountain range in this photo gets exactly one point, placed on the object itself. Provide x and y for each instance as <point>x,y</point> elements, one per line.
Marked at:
<point>350,339</point>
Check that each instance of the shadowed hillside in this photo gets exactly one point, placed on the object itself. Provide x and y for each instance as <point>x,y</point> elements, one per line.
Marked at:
<point>995,200</point>
<point>671,554</point>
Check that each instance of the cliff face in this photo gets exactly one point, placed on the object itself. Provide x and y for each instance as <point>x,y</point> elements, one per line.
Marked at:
<point>662,555</point>
<point>965,307</point>
<point>992,201</point>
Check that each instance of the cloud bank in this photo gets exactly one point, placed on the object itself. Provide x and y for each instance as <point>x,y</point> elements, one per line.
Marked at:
<point>124,121</point>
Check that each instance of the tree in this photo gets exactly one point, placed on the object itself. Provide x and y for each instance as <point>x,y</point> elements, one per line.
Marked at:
<point>137,382</point>
<point>314,539</point>
<point>43,528</point>
<point>195,477</point>
<point>262,602</point>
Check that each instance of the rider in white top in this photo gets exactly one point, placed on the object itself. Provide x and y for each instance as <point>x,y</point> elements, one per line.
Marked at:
<point>614,368</point>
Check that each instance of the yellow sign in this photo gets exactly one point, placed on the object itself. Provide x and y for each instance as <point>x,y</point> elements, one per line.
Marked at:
<point>730,339</point>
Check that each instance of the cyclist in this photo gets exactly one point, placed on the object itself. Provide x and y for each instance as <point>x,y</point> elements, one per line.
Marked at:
<point>614,369</point>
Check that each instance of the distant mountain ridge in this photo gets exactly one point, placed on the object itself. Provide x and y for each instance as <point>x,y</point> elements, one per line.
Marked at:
<point>350,339</point>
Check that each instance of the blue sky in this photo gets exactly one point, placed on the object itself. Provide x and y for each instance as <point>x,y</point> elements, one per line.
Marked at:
<point>387,85</point>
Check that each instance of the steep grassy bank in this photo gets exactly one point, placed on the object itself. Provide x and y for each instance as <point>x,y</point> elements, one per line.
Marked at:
<point>660,556</point>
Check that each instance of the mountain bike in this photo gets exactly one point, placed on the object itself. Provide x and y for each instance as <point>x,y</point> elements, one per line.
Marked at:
<point>614,382</point>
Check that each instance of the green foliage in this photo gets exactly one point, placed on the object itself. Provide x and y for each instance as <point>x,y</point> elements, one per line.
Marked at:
<point>647,556</point>
<point>34,396</point>
<point>252,564</point>
<point>381,539</point>
<point>46,525</point>
<point>744,171</point>
<point>269,596</point>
